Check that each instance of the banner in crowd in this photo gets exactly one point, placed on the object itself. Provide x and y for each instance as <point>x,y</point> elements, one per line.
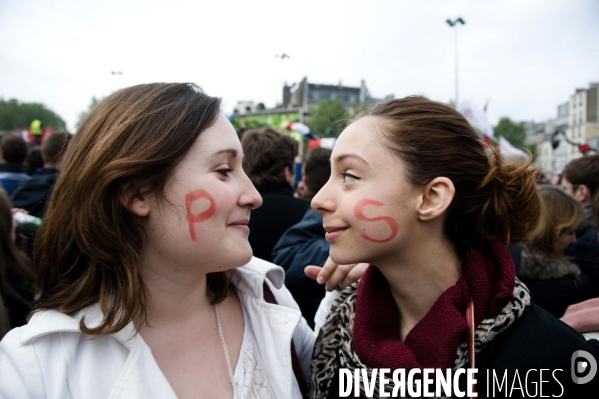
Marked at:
<point>277,120</point>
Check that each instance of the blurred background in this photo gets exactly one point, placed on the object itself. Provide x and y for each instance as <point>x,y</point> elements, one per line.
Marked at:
<point>528,70</point>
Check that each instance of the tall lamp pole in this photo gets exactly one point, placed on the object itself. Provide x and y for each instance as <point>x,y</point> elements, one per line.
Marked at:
<point>454,24</point>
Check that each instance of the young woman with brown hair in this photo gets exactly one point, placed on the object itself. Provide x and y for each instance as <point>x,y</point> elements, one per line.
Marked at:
<point>553,280</point>
<point>141,293</point>
<point>413,192</point>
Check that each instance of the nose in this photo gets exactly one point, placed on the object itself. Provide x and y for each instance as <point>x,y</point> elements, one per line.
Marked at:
<point>323,201</point>
<point>250,197</point>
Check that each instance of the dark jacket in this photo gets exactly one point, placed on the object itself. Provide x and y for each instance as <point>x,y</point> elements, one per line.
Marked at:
<point>535,341</point>
<point>585,253</point>
<point>301,245</point>
<point>34,193</point>
<point>11,174</point>
<point>279,211</point>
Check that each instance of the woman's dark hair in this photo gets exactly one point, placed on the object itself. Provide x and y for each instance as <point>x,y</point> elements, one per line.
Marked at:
<point>266,154</point>
<point>88,248</point>
<point>493,201</point>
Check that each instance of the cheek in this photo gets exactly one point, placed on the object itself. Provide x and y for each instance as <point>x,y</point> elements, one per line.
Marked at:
<point>200,206</point>
<point>381,228</point>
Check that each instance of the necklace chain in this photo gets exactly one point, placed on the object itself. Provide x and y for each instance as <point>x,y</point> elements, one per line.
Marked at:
<point>222,340</point>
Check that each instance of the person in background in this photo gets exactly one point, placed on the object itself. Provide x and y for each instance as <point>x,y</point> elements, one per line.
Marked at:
<point>580,179</point>
<point>37,131</point>
<point>554,282</point>
<point>33,194</point>
<point>34,160</point>
<point>556,180</point>
<point>268,162</point>
<point>13,151</point>
<point>317,168</point>
<point>413,193</point>
<point>304,244</point>
<point>16,276</point>
<point>584,316</point>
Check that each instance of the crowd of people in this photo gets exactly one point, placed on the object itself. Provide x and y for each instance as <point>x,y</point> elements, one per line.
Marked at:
<point>177,256</point>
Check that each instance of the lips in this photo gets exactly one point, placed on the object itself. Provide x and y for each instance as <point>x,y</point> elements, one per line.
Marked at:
<point>241,224</point>
<point>332,232</point>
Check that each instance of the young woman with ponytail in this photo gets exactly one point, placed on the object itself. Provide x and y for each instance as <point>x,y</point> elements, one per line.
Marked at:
<point>414,192</point>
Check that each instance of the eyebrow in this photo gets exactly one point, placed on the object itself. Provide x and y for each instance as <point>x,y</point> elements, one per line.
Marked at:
<point>352,156</point>
<point>230,151</point>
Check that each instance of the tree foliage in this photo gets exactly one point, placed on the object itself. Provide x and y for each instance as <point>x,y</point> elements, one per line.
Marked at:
<point>14,114</point>
<point>328,119</point>
<point>515,133</point>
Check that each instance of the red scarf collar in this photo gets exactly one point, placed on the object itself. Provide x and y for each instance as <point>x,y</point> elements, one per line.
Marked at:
<point>489,278</point>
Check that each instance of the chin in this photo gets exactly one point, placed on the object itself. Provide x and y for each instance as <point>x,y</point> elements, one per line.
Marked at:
<point>343,257</point>
<point>243,258</point>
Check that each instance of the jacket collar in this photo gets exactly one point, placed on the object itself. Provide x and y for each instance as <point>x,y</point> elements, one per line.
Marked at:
<point>248,279</point>
<point>53,321</point>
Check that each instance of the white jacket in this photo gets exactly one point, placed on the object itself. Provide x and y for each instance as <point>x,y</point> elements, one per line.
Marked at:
<point>50,358</point>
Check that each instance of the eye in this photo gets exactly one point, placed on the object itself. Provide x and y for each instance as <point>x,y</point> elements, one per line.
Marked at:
<point>348,177</point>
<point>224,171</point>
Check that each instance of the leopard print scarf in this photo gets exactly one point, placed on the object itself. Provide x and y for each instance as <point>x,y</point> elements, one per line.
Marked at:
<point>334,349</point>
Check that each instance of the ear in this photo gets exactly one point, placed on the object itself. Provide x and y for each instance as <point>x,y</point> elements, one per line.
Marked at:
<point>289,175</point>
<point>583,194</point>
<point>435,198</point>
<point>132,200</point>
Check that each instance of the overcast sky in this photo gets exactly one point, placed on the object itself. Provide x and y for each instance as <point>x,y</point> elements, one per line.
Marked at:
<point>522,56</point>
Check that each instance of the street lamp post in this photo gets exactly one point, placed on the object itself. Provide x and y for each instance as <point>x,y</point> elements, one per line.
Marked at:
<point>454,24</point>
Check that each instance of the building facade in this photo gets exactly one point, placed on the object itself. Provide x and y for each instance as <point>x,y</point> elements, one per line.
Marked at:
<point>576,123</point>
<point>307,95</point>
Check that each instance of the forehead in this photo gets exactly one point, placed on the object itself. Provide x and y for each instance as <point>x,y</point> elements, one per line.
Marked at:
<point>361,137</point>
<point>219,135</point>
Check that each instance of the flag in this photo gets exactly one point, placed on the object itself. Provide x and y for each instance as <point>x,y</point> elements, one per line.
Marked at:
<point>301,128</point>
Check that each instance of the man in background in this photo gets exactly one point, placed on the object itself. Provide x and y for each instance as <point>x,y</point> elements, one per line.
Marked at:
<point>580,180</point>
<point>268,162</point>
<point>13,151</point>
<point>304,243</point>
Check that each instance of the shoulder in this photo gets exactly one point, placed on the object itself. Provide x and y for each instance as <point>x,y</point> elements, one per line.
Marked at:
<point>536,347</point>
<point>537,340</point>
<point>35,353</point>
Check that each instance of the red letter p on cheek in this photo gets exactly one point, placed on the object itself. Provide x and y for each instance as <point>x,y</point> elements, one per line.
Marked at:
<point>193,218</point>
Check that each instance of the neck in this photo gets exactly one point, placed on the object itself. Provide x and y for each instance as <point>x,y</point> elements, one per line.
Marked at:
<point>176,295</point>
<point>420,275</point>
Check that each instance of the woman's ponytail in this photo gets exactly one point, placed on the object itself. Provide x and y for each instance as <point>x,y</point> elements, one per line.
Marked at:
<point>512,208</point>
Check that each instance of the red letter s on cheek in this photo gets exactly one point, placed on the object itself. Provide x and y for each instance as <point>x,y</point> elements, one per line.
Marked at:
<point>359,211</point>
<point>198,217</point>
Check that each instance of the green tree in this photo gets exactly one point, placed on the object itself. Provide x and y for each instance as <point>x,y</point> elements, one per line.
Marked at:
<point>328,119</point>
<point>14,114</point>
<point>83,114</point>
<point>515,133</point>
